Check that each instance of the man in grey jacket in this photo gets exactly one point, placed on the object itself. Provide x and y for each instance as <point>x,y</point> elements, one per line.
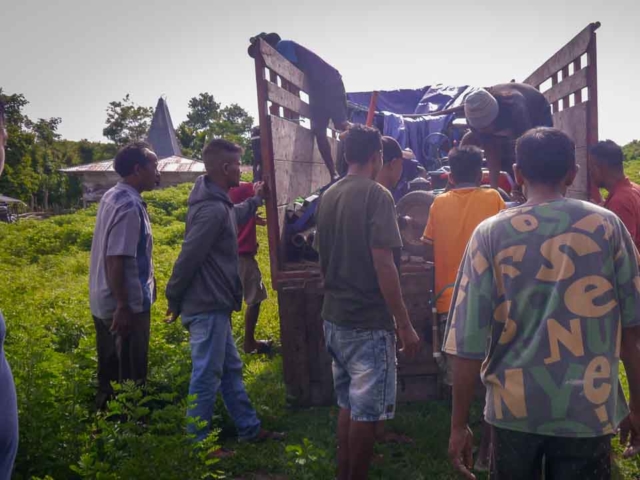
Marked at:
<point>205,289</point>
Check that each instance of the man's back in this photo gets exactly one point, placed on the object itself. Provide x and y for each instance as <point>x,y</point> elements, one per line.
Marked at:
<point>550,286</point>
<point>317,70</point>
<point>452,219</point>
<point>624,201</point>
<point>355,215</point>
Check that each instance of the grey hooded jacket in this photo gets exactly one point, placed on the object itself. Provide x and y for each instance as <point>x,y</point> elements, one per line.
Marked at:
<point>205,277</point>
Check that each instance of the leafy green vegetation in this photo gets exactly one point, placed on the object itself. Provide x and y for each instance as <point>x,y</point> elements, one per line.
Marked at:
<point>50,345</point>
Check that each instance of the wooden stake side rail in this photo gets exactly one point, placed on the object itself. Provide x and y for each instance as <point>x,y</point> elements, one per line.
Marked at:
<point>292,164</point>
<point>574,113</point>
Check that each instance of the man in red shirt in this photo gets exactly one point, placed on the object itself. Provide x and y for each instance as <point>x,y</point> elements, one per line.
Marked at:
<point>253,289</point>
<point>607,171</point>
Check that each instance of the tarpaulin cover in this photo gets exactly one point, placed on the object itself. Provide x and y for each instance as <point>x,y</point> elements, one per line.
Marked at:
<point>410,132</point>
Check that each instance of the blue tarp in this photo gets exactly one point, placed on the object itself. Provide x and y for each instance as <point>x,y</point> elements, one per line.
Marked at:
<point>411,132</point>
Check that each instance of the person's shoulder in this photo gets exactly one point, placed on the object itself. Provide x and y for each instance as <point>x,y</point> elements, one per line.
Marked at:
<point>120,198</point>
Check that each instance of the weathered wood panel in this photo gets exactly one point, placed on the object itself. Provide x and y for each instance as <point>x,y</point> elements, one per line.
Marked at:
<point>569,85</point>
<point>299,168</point>
<point>289,101</point>
<point>276,62</point>
<point>572,50</point>
<point>574,122</point>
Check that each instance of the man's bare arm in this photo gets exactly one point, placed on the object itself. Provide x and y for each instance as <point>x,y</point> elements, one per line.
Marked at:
<point>389,282</point>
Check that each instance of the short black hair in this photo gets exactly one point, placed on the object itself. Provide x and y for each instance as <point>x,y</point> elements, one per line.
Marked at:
<point>545,155</point>
<point>390,149</point>
<point>2,112</point>
<point>132,154</point>
<point>465,163</point>
<point>608,153</point>
<point>360,143</point>
<point>219,145</point>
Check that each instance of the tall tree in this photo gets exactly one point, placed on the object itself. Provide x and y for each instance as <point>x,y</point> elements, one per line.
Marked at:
<point>207,119</point>
<point>126,121</point>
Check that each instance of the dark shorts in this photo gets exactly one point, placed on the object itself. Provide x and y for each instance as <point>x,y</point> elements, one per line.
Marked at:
<point>524,456</point>
<point>328,102</point>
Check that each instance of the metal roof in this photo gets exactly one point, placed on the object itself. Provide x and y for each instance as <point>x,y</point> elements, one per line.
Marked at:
<point>166,165</point>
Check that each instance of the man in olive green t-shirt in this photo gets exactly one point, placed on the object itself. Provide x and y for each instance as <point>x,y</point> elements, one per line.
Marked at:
<point>357,232</point>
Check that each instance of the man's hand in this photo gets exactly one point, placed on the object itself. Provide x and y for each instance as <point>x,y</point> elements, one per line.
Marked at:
<point>122,319</point>
<point>260,190</point>
<point>261,222</point>
<point>461,451</point>
<point>170,316</point>
<point>630,435</point>
<point>409,341</point>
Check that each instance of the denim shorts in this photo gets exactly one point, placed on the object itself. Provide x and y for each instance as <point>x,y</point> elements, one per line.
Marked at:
<point>364,371</point>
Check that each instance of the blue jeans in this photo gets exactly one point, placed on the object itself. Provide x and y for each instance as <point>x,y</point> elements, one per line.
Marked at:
<point>364,371</point>
<point>217,366</point>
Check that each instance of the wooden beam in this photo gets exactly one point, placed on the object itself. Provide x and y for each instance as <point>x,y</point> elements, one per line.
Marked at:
<point>567,54</point>
<point>592,112</point>
<point>282,66</point>
<point>268,173</point>
<point>288,100</point>
<point>569,85</point>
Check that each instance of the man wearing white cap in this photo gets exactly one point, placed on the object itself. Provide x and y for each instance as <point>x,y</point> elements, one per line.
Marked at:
<point>498,116</point>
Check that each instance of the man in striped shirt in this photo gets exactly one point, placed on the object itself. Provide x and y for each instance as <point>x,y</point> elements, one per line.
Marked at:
<point>121,281</point>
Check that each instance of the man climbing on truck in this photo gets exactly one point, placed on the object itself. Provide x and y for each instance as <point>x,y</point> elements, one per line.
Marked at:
<point>498,116</point>
<point>327,96</point>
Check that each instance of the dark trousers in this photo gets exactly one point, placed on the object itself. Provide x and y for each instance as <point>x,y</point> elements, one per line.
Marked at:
<point>519,456</point>
<point>121,358</point>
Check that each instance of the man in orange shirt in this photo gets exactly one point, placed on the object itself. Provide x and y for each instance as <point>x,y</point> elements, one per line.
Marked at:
<point>453,217</point>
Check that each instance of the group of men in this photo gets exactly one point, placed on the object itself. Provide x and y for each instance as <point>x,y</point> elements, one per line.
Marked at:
<point>206,285</point>
<point>539,301</point>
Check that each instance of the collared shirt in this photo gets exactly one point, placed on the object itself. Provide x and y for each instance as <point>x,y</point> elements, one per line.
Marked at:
<point>624,201</point>
<point>122,229</point>
<point>543,298</point>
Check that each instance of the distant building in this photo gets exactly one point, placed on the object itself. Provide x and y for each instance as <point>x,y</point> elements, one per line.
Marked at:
<point>99,177</point>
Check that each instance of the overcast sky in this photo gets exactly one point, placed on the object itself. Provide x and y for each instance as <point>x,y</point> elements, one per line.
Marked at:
<point>70,58</point>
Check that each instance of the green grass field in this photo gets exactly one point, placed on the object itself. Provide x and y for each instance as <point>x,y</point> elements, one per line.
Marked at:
<point>50,345</point>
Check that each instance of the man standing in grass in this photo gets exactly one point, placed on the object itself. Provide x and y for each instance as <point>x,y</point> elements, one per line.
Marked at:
<point>544,307</point>
<point>453,217</point>
<point>253,288</point>
<point>357,233</point>
<point>121,282</point>
<point>205,289</point>
<point>607,171</point>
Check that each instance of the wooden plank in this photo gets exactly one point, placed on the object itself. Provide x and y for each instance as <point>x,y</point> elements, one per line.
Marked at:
<point>567,54</point>
<point>567,86</point>
<point>288,100</point>
<point>282,66</point>
<point>592,112</point>
<point>565,100</point>
<point>419,388</point>
<point>295,353</point>
<point>574,122</point>
<point>268,173</point>
<point>580,187</point>
<point>294,143</point>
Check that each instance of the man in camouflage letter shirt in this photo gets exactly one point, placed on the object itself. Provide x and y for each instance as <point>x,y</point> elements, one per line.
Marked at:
<point>546,303</point>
